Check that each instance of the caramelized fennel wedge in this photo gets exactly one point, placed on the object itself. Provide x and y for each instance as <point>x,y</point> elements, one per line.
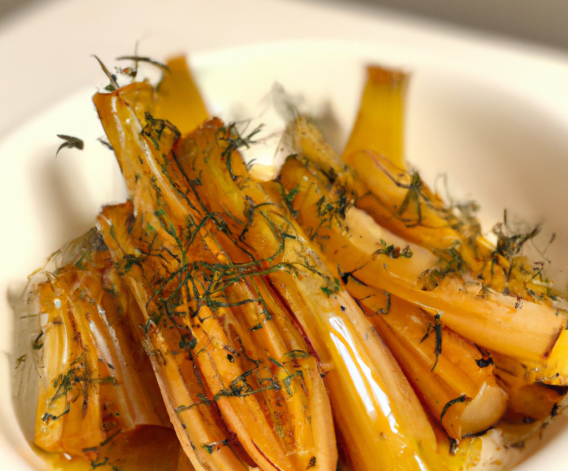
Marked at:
<point>90,391</point>
<point>380,121</point>
<point>369,392</point>
<point>551,371</point>
<point>180,385</point>
<point>528,402</point>
<point>148,448</point>
<point>488,319</point>
<point>429,227</point>
<point>400,201</point>
<point>163,202</point>
<point>195,419</point>
<point>442,372</point>
<point>178,98</point>
<point>396,201</point>
<point>420,215</point>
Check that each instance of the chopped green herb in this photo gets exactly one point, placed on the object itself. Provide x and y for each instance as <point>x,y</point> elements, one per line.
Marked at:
<point>288,380</point>
<point>331,289</point>
<point>88,450</point>
<point>20,360</point>
<point>137,59</point>
<point>460,399</point>
<point>453,446</point>
<point>187,343</point>
<point>47,417</point>
<point>276,362</point>
<point>437,327</point>
<point>113,83</point>
<point>108,440</point>
<point>71,142</point>
<point>484,362</point>
<point>96,464</point>
<point>208,448</point>
<point>234,141</point>
<point>392,251</point>
<point>289,199</point>
<point>293,354</point>
<point>105,143</point>
<point>36,344</point>
<point>510,246</point>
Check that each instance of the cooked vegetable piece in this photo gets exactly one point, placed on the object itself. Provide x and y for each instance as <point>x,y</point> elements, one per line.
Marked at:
<point>181,387</point>
<point>187,291</point>
<point>380,121</point>
<point>400,201</point>
<point>443,368</point>
<point>396,208</point>
<point>90,390</point>
<point>553,371</point>
<point>403,203</point>
<point>148,448</point>
<point>361,369</point>
<point>528,402</point>
<point>70,370</point>
<point>178,98</point>
<point>422,216</point>
<point>188,401</point>
<point>490,319</point>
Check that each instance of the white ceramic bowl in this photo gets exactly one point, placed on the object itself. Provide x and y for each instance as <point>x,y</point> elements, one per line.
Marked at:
<point>496,124</point>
